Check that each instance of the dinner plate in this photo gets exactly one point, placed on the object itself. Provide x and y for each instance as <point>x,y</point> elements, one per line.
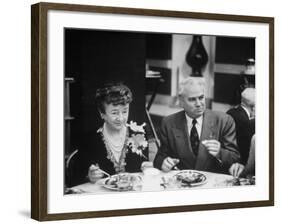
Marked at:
<point>121,182</point>
<point>190,178</point>
<point>240,181</point>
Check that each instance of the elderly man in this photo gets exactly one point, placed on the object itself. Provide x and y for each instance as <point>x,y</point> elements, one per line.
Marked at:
<point>244,117</point>
<point>196,138</point>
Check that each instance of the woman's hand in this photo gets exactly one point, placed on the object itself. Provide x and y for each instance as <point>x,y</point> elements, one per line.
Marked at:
<point>94,173</point>
<point>236,169</point>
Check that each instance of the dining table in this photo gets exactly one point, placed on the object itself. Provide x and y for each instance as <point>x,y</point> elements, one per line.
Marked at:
<point>159,181</point>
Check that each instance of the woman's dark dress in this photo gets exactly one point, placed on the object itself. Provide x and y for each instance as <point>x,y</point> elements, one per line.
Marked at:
<point>94,152</point>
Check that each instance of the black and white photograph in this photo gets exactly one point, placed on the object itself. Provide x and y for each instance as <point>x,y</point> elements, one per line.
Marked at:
<point>157,112</point>
<point>149,111</point>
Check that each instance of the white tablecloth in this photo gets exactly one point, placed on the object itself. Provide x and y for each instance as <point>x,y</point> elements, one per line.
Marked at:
<point>153,182</point>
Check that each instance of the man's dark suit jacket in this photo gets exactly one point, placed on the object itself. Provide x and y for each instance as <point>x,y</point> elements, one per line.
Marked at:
<point>176,144</point>
<point>245,129</point>
<point>250,168</point>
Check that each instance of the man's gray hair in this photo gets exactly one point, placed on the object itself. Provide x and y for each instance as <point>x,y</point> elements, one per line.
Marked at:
<point>190,82</point>
<point>248,96</point>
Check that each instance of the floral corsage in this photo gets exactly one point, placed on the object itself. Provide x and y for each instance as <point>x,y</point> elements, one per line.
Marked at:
<point>137,142</point>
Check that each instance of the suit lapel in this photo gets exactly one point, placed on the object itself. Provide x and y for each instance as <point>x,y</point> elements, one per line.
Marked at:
<point>243,113</point>
<point>208,130</point>
<point>183,143</point>
<point>208,126</point>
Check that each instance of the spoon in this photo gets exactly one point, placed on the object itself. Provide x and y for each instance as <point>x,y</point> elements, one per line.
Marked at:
<point>104,172</point>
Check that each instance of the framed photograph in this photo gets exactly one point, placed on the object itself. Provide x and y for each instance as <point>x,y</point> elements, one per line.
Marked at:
<point>136,111</point>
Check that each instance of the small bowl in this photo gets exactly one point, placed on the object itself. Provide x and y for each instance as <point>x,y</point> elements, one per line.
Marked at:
<point>151,171</point>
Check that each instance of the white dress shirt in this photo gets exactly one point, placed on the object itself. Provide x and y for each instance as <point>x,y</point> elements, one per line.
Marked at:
<point>198,125</point>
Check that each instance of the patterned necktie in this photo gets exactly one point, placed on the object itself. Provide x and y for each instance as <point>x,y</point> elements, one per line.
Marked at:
<point>194,138</point>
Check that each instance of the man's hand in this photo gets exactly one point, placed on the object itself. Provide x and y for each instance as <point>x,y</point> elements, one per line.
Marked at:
<point>169,163</point>
<point>146,164</point>
<point>236,169</point>
<point>213,146</point>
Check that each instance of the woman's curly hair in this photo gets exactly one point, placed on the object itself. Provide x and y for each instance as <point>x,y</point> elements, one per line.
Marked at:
<point>113,93</point>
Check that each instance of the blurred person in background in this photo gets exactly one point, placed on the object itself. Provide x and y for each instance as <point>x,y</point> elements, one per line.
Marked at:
<point>244,117</point>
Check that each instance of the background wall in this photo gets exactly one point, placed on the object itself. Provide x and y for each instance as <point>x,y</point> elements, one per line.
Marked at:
<point>92,58</point>
<point>15,112</point>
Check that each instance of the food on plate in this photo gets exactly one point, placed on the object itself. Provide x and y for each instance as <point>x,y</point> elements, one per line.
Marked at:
<point>241,181</point>
<point>121,182</point>
<point>190,178</point>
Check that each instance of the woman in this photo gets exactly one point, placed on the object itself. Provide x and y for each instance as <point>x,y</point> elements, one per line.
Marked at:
<point>118,146</point>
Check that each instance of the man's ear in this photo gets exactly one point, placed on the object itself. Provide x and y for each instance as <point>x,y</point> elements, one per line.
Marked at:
<point>180,97</point>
